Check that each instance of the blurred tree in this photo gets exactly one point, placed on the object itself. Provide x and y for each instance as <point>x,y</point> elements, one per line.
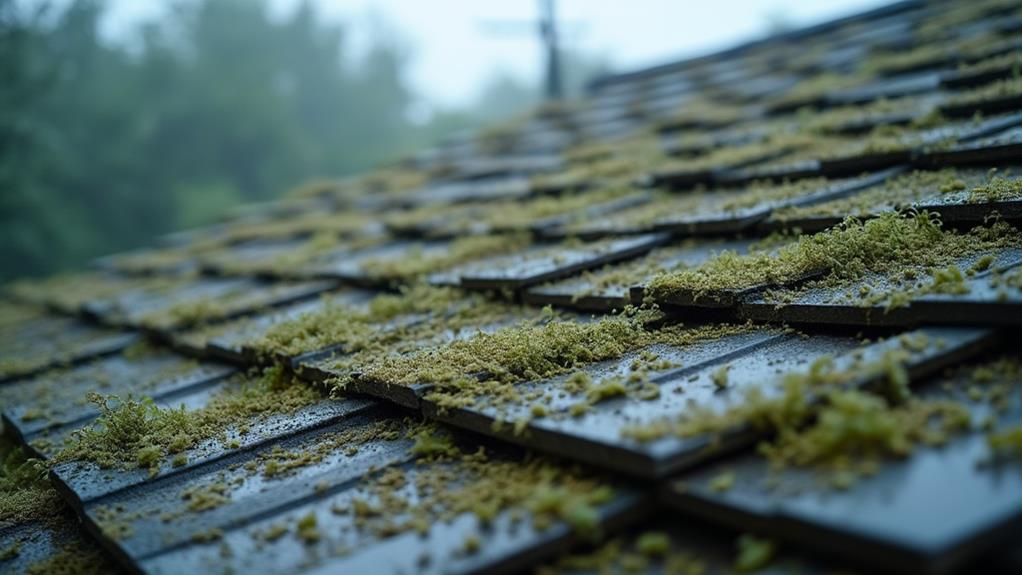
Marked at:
<point>103,146</point>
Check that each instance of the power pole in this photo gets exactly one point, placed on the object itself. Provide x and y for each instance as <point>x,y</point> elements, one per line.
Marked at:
<point>548,35</point>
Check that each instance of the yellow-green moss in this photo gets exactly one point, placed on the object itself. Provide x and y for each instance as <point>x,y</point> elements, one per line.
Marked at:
<point>1007,441</point>
<point>488,365</point>
<point>355,327</point>
<point>25,493</point>
<point>136,433</point>
<point>844,253</point>
<point>1005,88</point>
<point>900,191</point>
<point>754,553</point>
<point>447,484</point>
<point>416,262</point>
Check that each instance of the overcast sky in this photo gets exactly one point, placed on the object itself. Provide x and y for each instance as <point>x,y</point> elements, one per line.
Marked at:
<point>454,47</point>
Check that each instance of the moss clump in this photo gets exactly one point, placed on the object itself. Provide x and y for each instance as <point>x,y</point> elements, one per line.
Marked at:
<point>754,553</point>
<point>650,552</point>
<point>416,262</point>
<point>137,433</point>
<point>509,216</point>
<point>949,280</point>
<point>446,484</point>
<point>73,559</point>
<point>25,493</point>
<point>853,430</point>
<point>653,544</point>
<point>357,327</point>
<point>88,286</point>
<point>739,156</point>
<point>488,365</point>
<point>431,445</point>
<point>723,482</point>
<point>206,497</point>
<point>307,529</point>
<point>849,119</point>
<point>1007,88</point>
<point>997,189</point>
<point>1007,441</point>
<point>920,186</point>
<point>719,377</point>
<point>815,423</point>
<point>842,254</point>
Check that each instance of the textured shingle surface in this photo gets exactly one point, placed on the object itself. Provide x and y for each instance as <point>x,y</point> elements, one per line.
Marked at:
<point>751,310</point>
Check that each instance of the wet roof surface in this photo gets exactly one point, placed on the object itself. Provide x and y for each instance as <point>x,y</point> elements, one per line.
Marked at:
<point>752,311</point>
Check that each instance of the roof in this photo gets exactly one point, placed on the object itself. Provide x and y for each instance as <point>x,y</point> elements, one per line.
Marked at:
<point>749,310</point>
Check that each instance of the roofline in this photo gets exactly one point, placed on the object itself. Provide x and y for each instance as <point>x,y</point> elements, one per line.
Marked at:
<point>795,34</point>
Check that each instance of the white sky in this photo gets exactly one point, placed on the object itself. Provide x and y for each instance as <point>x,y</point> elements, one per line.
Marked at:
<point>454,52</point>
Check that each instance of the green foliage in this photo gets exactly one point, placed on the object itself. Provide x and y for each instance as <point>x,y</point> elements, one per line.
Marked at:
<point>104,145</point>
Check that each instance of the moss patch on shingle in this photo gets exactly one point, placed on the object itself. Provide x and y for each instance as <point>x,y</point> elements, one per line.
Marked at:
<point>841,254</point>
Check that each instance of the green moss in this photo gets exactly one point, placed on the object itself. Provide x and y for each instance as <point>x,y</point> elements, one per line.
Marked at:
<point>1006,88</point>
<point>515,215</point>
<point>447,484</point>
<point>815,87</point>
<point>917,186</point>
<point>723,482</point>
<point>488,365</point>
<point>643,556</point>
<point>137,433</point>
<point>206,497</point>
<point>357,327</point>
<point>25,493</point>
<point>606,390</point>
<point>307,529</point>
<point>719,377</point>
<point>88,286</point>
<point>416,263</point>
<point>754,553</point>
<point>653,544</point>
<point>208,535</point>
<point>837,121</point>
<point>10,552</point>
<point>997,189</point>
<point>853,428</point>
<point>740,155</point>
<point>841,254</point>
<point>1007,441</point>
<point>949,280</point>
<point>982,264</point>
<point>73,560</point>
<point>1011,61</point>
<point>431,443</point>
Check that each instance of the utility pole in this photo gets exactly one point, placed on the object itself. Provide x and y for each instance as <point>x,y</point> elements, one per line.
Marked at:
<point>548,35</point>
